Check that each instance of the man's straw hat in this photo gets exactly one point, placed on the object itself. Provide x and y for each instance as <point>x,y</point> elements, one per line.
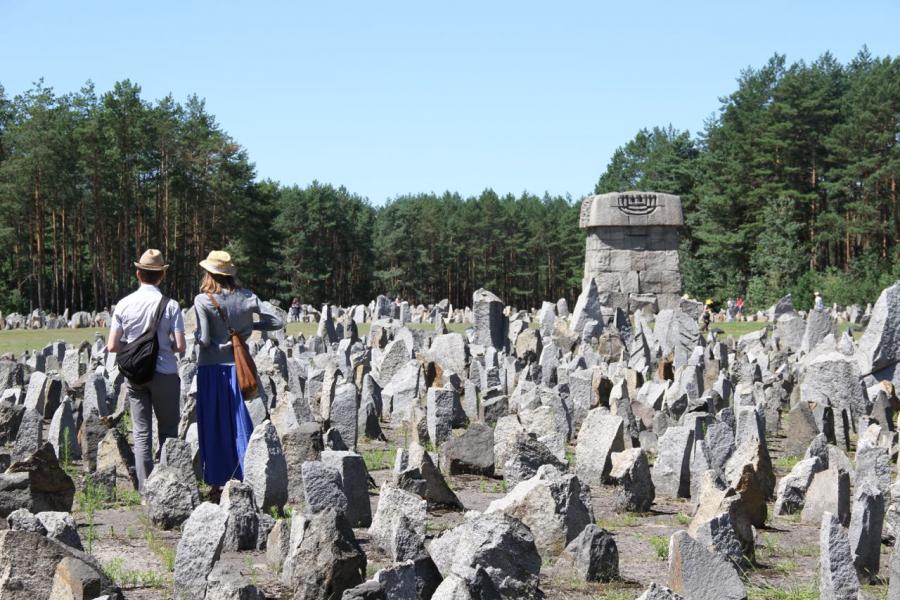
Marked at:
<point>151,260</point>
<point>219,263</point>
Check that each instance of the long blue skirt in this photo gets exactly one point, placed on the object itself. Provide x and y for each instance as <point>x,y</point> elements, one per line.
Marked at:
<point>223,424</point>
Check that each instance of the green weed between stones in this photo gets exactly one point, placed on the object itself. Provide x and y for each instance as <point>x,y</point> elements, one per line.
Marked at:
<point>660,544</point>
<point>133,578</point>
<point>618,521</point>
<point>769,592</point>
<point>378,459</point>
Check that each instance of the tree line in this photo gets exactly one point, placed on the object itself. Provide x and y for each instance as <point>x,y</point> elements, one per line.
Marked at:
<point>89,180</point>
<point>791,185</point>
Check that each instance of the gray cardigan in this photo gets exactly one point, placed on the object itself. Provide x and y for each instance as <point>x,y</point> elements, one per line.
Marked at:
<point>212,334</point>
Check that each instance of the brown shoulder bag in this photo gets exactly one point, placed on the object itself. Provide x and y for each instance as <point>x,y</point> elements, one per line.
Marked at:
<point>243,362</point>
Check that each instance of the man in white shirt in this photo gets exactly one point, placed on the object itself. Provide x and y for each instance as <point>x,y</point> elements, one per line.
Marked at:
<point>133,315</point>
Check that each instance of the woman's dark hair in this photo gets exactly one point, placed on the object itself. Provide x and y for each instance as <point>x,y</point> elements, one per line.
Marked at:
<point>213,283</point>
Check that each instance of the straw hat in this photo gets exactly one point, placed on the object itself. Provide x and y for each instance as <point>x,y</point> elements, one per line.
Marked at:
<point>151,260</point>
<point>219,263</point>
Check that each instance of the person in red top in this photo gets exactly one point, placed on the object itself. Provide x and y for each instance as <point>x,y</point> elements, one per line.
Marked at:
<point>739,304</point>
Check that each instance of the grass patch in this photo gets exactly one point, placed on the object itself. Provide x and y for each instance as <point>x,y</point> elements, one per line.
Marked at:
<point>682,519</point>
<point>164,553</point>
<point>616,595</point>
<point>493,487</point>
<point>619,521</point>
<point>660,544</point>
<point>785,567</point>
<point>795,592</point>
<point>875,592</point>
<point>133,578</point>
<point>378,459</point>
<point>434,528</point>
<point>786,463</point>
<point>278,515</point>
<point>768,546</point>
<point>18,341</point>
<point>738,328</point>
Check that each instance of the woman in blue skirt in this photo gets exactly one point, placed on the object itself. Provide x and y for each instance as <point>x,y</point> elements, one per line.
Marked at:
<point>223,423</point>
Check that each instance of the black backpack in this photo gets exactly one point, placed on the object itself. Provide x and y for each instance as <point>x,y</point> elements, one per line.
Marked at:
<point>137,358</point>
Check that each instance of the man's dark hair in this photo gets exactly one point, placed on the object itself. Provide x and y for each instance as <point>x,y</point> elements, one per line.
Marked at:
<point>150,277</point>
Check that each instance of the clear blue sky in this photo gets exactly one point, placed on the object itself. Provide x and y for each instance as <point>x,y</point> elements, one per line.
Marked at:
<point>395,97</point>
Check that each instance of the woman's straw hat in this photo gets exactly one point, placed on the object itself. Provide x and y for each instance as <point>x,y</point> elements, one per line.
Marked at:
<point>151,260</point>
<point>219,263</point>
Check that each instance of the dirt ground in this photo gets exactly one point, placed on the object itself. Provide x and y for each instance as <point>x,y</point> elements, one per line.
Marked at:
<point>141,556</point>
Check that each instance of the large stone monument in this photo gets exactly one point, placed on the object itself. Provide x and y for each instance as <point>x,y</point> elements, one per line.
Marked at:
<point>632,246</point>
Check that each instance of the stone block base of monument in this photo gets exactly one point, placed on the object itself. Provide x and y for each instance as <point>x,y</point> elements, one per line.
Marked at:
<point>631,248</point>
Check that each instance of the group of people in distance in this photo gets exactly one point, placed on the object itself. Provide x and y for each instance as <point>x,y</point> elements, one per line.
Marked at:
<point>223,422</point>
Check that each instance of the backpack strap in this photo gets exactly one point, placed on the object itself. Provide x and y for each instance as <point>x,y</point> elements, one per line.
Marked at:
<point>160,310</point>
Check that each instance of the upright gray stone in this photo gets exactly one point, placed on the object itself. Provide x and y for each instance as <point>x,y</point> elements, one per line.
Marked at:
<point>324,558</point>
<point>229,580</point>
<point>819,325</point>
<point>63,433</point>
<point>299,445</point>
<point>322,488</point>
<point>600,436</point>
<point>242,529</point>
<point>490,322</point>
<point>24,520</point>
<point>719,535</point>
<point>398,527</point>
<point>792,488</point>
<point>10,418</point>
<point>837,576</point>
<point>880,341</point>
<point>672,470</point>
<point>398,580</point>
<point>833,379</point>
<point>60,526</point>
<point>441,410</point>
<point>265,468</point>
<point>30,436</point>
<point>396,354</point>
<point>415,471</point>
<point>95,399</point>
<point>630,471</point>
<point>499,546</point>
<point>699,574</point>
<point>450,353</point>
<point>594,554</point>
<point>354,479</point>
<point>344,413</point>
<point>551,505</point>
<point>801,430</point>
<point>182,456</point>
<point>169,497</point>
<point>829,493</point>
<point>37,392</point>
<point>587,306</point>
<point>866,523</point>
<point>470,453</point>
<point>873,465</point>
<point>526,455</point>
<point>198,550</point>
